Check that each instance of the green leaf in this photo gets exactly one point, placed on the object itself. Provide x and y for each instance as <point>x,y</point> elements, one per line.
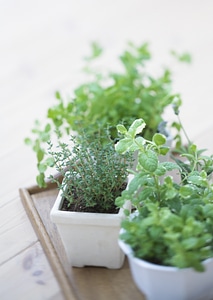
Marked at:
<point>163,150</point>
<point>155,232</point>
<point>148,160</point>
<point>40,155</point>
<point>161,170</point>
<point>28,141</point>
<point>137,127</point>
<point>50,162</point>
<point>146,193</point>
<point>198,180</point>
<point>121,129</point>
<point>192,149</point>
<point>159,139</point>
<point>119,201</point>
<point>96,51</point>
<point>190,243</point>
<point>47,128</point>
<point>136,183</point>
<point>126,212</point>
<point>42,167</point>
<point>126,145</point>
<point>170,193</point>
<point>123,145</point>
<point>140,141</point>
<point>208,210</point>
<point>153,207</point>
<point>177,102</point>
<point>168,180</point>
<point>186,191</point>
<point>170,166</point>
<point>58,95</point>
<point>40,180</point>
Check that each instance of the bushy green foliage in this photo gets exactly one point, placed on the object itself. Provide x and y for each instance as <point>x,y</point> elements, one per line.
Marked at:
<point>173,221</point>
<point>94,174</point>
<point>106,100</point>
<point>131,93</point>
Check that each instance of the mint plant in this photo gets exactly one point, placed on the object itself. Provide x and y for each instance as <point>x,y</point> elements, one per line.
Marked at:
<point>106,100</point>
<point>94,174</point>
<point>173,220</point>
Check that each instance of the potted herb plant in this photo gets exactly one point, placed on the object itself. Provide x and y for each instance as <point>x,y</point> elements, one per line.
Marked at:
<point>85,213</point>
<point>107,99</point>
<point>168,238</point>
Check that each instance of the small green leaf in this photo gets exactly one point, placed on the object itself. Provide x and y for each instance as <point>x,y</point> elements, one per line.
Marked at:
<point>137,182</point>
<point>198,180</point>
<point>50,162</point>
<point>28,141</point>
<point>137,127</point>
<point>42,167</point>
<point>161,170</point>
<point>121,129</point>
<point>123,145</point>
<point>126,145</point>
<point>170,166</point>
<point>140,141</point>
<point>96,51</point>
<point>155,232</point>
<point>208,210</point>
<point>57,95</point>
<point>163,150</point>
<point>146,193</point>
<point>148,160</point>
<point>40,180</point>
<point>186,191</point>
<point>126,212</point>
<point>190,243</point>
<point>47,128</point>
<point>159,139</point>
<point>171,193</point>
<point>40,155</point>
<point>119,201</point>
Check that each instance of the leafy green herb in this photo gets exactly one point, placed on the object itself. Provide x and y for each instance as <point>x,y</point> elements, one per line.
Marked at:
<point>106,100</point>
<point>173,221</point>
<point>94,174</point>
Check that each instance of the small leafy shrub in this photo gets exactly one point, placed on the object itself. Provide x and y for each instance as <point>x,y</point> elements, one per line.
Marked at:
<point>94,174</point>
<point>106,100</point>
<point>173,220</point>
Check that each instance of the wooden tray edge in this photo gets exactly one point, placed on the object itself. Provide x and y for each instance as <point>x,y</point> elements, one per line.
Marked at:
<point>34,189</point>
<point>39,228</point>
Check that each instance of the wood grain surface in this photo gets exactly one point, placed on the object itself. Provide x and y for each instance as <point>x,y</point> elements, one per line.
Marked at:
<point>76,283</point>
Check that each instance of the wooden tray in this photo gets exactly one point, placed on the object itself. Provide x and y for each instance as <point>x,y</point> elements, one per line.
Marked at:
<point>87,283</point>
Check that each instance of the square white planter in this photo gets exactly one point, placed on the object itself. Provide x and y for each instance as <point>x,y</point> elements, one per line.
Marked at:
<point>90,239</point>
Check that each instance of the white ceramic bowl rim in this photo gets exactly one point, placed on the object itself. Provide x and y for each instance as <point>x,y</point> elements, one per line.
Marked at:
<point>128,251</point>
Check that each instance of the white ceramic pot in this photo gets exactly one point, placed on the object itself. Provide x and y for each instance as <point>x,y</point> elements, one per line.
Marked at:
<point>90,239</point>
<point>170,283</point>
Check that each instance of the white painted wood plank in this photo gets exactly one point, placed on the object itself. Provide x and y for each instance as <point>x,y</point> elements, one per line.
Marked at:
<point>16,232</point>
<point>28,276</point>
